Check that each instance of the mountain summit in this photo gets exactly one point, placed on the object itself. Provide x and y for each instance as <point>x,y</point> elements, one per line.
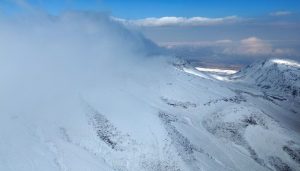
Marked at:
<point>279,76</point>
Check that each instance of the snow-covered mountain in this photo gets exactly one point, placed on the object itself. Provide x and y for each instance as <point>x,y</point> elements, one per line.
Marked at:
<point>172,120</point>
<point>95,100</point>
<point>274,75</point>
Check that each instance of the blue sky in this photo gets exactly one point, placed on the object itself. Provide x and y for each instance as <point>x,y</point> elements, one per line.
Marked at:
<point>133,9</point>
<point>189,8</point>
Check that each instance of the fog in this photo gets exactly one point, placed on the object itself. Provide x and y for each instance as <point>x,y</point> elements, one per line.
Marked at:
<point>55,71</point>
<point>48,61</point>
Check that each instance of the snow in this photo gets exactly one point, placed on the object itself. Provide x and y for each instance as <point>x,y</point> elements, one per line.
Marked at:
<point>286,62</point>
<point>221,78</point>
<point>194,72</point>
<point>216,70</point>
<point>278,79</point>
<point>84,103</point>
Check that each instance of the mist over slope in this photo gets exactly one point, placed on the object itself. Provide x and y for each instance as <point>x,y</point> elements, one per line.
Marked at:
<point>53,56</point>
<point>81,92</point>
<point>47,65</point>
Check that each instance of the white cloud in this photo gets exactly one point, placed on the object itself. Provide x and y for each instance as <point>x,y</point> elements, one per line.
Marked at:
<point>225,41</point>
<point>179,21</point>
<point>253,46</point>
<point>196,44</point>
<point>248,47</point>
<point>281,13</point>
<point>187,44</point>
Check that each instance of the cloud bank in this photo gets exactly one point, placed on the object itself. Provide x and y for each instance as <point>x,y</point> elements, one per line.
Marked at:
<point>46,62</point>
<point>242,51</point>
<point>179,21</point>
<point>230,38</point>
<point>281,13</point>
<point>253,46</point>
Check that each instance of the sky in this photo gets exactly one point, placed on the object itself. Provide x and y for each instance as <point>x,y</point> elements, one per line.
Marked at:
<point>214,29</point>
<point>134,9</point>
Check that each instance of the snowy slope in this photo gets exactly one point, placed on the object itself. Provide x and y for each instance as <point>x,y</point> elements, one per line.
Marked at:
<point>279,75</point>
<point>108,105</point>
<point>183,122</point>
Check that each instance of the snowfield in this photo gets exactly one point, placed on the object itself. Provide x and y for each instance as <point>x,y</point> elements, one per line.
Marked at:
<point>183,122</point>
<point>130,111</point>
